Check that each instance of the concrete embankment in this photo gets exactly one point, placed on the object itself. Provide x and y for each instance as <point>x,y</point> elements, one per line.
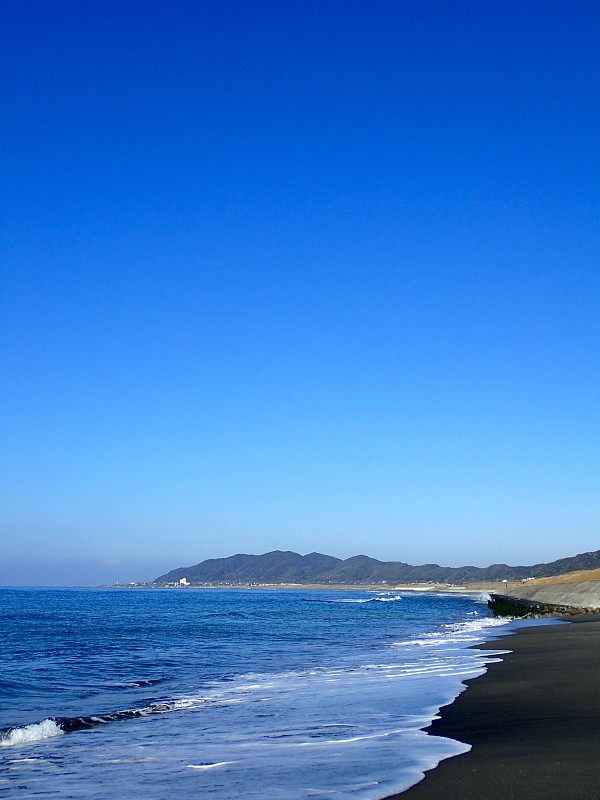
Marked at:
<point>555,598</point>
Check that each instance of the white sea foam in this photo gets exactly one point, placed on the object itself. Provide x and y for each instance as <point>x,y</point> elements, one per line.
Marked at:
<point>457,632</point>
<point>474,626</point>
<point>36,732</point>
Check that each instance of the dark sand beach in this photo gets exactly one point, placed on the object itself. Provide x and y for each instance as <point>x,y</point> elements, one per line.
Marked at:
<point>533,721</point>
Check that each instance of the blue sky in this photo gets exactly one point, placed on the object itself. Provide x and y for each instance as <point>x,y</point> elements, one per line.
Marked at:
<point>301,275</point>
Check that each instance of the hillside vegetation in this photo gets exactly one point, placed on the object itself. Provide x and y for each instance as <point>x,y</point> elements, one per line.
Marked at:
<point>288,567</point>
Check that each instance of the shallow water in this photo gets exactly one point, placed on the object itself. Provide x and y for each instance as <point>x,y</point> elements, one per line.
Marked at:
<point>110,693</point>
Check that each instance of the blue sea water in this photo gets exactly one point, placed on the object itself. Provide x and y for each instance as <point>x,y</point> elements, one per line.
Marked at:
<point>131,693</point>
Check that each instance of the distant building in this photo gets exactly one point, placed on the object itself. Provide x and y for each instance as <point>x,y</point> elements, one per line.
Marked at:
<point>184,582</point>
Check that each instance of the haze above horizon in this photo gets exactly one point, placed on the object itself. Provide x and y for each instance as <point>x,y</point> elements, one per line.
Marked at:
<point>313,276</point>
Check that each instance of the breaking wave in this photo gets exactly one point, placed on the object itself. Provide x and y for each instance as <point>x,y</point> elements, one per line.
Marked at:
<point>459,633</point>
<point>356,600</point>
<point>47,729</point>
<point>58,726</point>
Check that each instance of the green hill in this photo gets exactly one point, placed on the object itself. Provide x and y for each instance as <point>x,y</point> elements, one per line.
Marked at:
<point>288,567</point>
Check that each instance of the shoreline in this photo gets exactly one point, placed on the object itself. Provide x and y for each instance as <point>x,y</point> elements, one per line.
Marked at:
<point>415,588</point>
<point>532,720</point>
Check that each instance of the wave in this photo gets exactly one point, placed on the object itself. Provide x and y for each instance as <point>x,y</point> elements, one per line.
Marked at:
<point>371,600</point>
<point>458,632</point>
<point>240,688</point>
<point>353,600</point>
<point>58,726</point>
<point>37,732</point>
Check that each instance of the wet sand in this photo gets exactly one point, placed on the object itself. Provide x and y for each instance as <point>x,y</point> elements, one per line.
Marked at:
<point>533,721</point>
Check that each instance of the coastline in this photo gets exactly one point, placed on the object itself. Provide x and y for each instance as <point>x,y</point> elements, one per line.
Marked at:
<point>416,588</point>
<point>533,721</point>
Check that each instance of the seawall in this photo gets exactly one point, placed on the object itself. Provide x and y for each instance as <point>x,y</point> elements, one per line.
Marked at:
<point>554,598</point>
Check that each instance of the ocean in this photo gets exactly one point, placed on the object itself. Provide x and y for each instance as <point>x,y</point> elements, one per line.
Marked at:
<point>226,693</point>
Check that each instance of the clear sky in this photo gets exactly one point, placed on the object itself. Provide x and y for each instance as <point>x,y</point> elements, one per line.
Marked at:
<point>297,275</point>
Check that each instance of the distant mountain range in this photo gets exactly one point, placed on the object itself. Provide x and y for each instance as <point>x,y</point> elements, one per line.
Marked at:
<point>287,567</point>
